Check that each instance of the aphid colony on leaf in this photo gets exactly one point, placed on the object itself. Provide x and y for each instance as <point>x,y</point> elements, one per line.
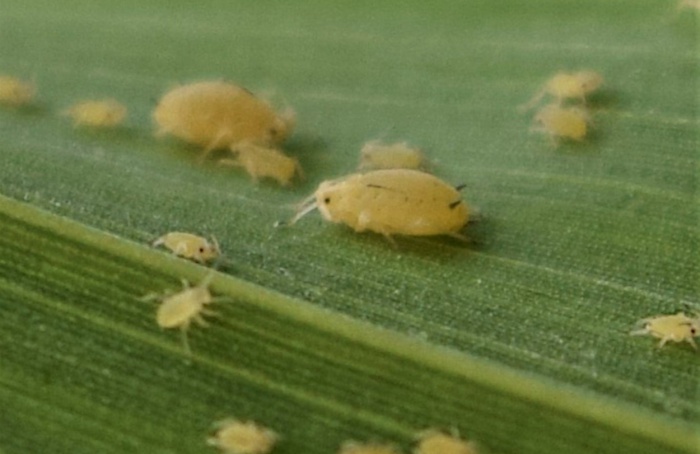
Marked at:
<point>190,246</point>
<point>375,155</point>
<point>180,309</point>
<point>390,202</point>
<point>676,328</point>
<point>242,437</point>
<point>15,92</point>
<point>558,119</point>
<point>104,113</point>
<point>217,114</point>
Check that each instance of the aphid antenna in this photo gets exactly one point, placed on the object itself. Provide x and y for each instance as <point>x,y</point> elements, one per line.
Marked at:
<point>306,207</point>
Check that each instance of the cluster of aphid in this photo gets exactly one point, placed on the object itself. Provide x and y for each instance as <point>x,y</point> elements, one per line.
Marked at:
<point>566,116</point>
<point>232,436</point>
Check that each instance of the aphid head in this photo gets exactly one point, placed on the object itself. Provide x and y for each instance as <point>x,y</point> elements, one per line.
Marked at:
<point>321,199</point>
<point>209,250</point>
<point>283,125</point>
<point>589,80</point>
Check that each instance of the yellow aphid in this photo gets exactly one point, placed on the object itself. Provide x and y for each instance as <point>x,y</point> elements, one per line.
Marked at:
<point>216,114</point>
<point>676,328</point>
<point>564,86</point>
<point>104,113</point>
<point>190,246</point>
<point>15,92</point>
<point>238,437</point>
<point>392,201</point>
<point>353,447</point>
<point>375,155</point>
<point>179,309</point>
<point>434,441</point>
<point>264,162</point>
<point>562,122</point>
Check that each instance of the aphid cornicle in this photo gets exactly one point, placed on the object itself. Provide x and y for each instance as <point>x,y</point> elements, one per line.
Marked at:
<point>264,162</point>
<point>15,92</point>
<point>676,328</point>
<point>434,441</point>
<point>391,202</point>
<point>190,246</point>
<point>216,114</point>
<point>180,309</point>
<point>104,113</point>
<point>242,437</point>
<point>375,155</point>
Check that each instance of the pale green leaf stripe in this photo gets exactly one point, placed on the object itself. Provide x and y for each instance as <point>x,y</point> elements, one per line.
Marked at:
<point>318,376</point>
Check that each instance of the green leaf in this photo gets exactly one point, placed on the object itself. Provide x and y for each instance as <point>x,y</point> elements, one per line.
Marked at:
<point>519,340</point>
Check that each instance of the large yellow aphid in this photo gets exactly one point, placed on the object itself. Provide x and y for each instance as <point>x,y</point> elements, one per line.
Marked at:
<point>15,92</point>
<point>190,246</point>
<point>564,86</point>
<point>264,162</point>
<point>216,114</point>
<point>104,113</point>
<point>180,309</point>
<point>391,202</point>
<point>562,122</point>
<point>433,441</point>
<point>676,328</point>
<point>376,155</point>
<point>354,447</point>
<point>242,437</point>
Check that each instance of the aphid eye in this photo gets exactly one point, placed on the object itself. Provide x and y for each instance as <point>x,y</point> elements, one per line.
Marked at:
<point>201,249</point>
<point>273,132</point>
<point>693,331</point>
<point>327,200</point>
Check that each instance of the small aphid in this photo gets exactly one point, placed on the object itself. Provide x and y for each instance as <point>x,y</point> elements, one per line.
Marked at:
<point>190,246</point>
<point>564,86</point>
<point>375,155</point>
<point>392,201</point>
<point>15,92</point>
<point>105,113</point>
<point>676,328</point>
<point>179,309</point>
<point>238,437</point>
<point>354,447</point>
<point>433,441</point>
<point>264,162</point>
<point>688,4</point>
<point>216,114</point>
<point>562,122</point>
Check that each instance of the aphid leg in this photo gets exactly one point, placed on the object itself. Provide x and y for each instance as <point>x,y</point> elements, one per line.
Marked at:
<point>691,341</point>
<point>185,340</point>
<point>663,341</point>
<point>532,102</point>
<point>160,241</point>
<point>460,237</point>
<point>212,145</point>
<point>639,332</point>
<point>391,240</point>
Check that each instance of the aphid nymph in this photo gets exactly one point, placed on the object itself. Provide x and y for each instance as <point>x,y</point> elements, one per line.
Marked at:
<point>15,92</point>
<point>390,202</point>
<point>242,437</point>
<point>216,115</point>
<point>264,162</point>
<point>434,441</point>
<point>104,113</point>
<point>562,122</point>
<point>564,86</point>
<point>354,447</point>
<point>676,328</point>
<point>190,246</point>
<point>180,309</point>
<point>376,155</point>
